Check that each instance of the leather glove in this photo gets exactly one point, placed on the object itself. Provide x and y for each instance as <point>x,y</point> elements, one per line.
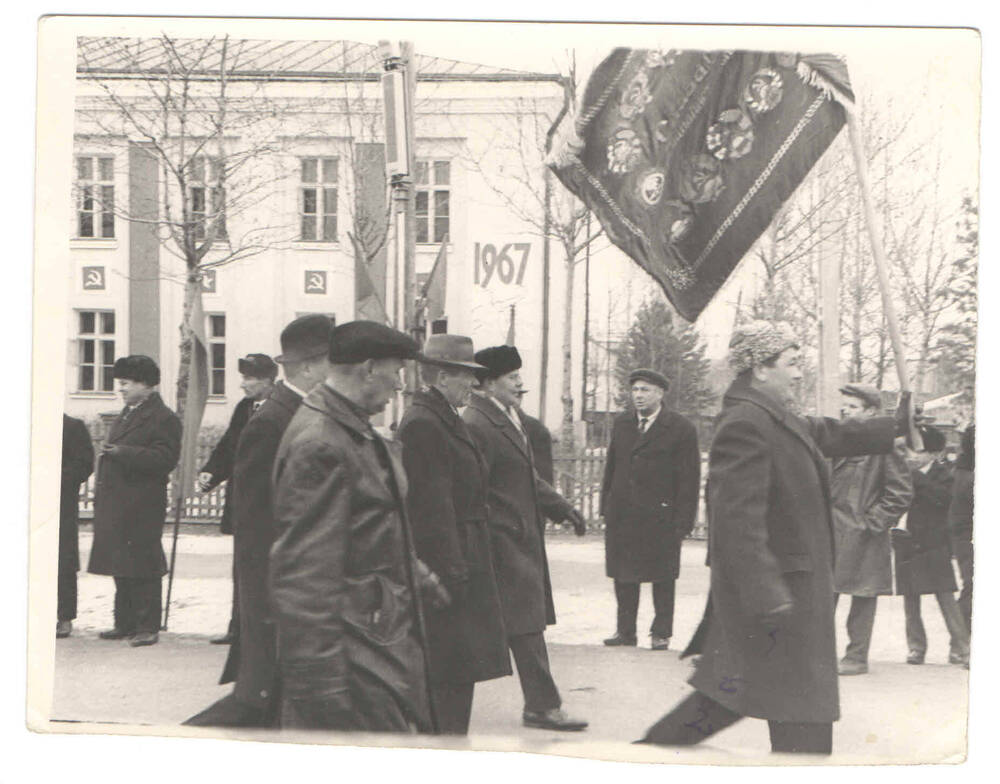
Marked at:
<point>579,524</point>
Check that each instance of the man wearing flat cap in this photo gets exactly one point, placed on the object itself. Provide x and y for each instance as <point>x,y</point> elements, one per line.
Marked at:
<point>258,372</point>
<point>519,501</point>
<point>767,640</point>
<point>345,580</point>
<point>649,501</point>
<point>446,502</point>
<point>252,660</point>
<point>870,493</point>
<point>130,501</point>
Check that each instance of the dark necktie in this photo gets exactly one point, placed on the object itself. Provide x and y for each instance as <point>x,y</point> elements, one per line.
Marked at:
<point>642,424</point>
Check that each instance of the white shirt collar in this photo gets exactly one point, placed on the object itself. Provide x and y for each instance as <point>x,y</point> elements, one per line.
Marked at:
<point>295,389</point>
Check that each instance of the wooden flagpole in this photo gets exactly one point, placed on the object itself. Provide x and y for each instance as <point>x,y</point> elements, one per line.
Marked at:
<point>874,225</point>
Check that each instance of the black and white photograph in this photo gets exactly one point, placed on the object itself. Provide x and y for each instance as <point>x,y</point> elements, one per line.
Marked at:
<point>594,390</point>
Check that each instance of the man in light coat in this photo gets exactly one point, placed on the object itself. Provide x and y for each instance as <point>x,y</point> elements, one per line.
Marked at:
<point>767,642</point>
<point>870,494</point>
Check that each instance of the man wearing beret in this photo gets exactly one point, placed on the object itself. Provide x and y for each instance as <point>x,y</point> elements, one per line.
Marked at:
<point>870,493</point>
<point>252,660</point>
<point>258,372</point>
<point>345,580</point>
<point>130,501</point>
<point>767,641</point>
<point>649,501</point>
<point>446,502</point>
<point>519,501</point>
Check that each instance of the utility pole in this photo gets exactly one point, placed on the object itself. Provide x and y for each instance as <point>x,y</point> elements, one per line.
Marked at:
<point>586,328</point>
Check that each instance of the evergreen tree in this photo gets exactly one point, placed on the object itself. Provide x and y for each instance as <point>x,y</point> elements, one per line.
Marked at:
<point>956,360</point>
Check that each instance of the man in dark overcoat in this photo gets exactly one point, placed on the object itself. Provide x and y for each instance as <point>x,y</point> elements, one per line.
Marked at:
<point>345,580</point>
<point>519,501</point>
<point>960,519</point>
<point>251,664</point>
<point>870,494</point>
<point>446,502</point>
<point>923,554</point>
<point>258,372</point>
<point>767,643</point>
<point>130,501</point>
<point>77,465</point>
<point>649,501</point>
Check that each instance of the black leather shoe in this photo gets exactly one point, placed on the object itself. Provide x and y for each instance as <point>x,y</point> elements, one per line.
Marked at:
<point>225,639</point>
<point>115,634</point>
<point>554,719</point>
<point>659,643</point>
<point>144,638</point>
<point>63,629</point>
<point>620,639</point>
<point>915,658</point>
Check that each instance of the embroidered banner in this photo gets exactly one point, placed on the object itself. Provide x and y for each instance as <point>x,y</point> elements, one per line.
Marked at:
<point>685,156</point>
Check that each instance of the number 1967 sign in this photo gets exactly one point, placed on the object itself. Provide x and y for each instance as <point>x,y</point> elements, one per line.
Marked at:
<point>506,265</point>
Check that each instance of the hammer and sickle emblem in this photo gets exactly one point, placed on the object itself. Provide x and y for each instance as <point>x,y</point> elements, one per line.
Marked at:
<point>94,279</point>
<point>315,282</point>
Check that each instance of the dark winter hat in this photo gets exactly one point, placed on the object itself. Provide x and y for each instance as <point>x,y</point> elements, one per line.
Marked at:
<point>307,337</point>
<point>137,367</point>
<point>358,341</point>
<point>647,374</point>
<point>497,361</point>
<point>258,366</point>
<point>934,440</point>
<point>868,394</point>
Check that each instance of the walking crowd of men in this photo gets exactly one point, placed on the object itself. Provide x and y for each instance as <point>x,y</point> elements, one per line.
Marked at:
<point>377,580</point>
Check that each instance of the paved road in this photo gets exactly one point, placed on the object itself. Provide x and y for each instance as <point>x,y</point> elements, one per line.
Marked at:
<point>897,712</point>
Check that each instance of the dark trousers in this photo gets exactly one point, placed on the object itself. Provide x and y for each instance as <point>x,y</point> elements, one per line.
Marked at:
<point>964,557</point>
<point>627,595</point>
<point>860,623</point>
<point>916,637</point>
<point>452,706</point>
<point>138,604</point>
<point>698,717</point>
<point>66,596</point>
<point>532,661</point>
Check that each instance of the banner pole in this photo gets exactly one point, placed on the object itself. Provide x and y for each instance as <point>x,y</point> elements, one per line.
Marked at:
<point>178,503</point>
<point>874,226</point>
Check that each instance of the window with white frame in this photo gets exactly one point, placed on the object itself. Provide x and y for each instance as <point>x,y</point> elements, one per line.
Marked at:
<point>207,197</point>
<point>96,350</point>
<point>433,197</point>
<point>217,353</point>
<point>95,187</point>
<point>318,199</point>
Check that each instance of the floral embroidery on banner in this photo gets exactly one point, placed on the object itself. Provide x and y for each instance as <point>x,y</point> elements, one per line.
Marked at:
<point>651,186</point>
<point>786,59</point>
<point>701,179</point>
<point>679,218</point>
<point>624,151</point>
<point>661,131</point>
<point>657,58</point>
<point>731,136</point>
<point>764,90</point>
<point>636,96</point>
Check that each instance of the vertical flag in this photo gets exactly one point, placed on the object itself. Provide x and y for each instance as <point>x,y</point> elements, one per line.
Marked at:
<point>435,287</point>
<point>197,395</point>
<point>510,329</point>
<point>685,156</point>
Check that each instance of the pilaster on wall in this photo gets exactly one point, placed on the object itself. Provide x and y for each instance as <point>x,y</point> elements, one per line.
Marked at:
<point>143,253</point>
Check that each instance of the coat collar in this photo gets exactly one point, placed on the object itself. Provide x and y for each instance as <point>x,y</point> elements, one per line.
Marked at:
<point>657,428</point>
<point>327,401</point>
<point>141,413</point>
<point>284,396</point>
<point>491,410</point>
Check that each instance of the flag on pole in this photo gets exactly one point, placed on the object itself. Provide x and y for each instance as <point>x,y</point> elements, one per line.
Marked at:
<point>685,156</point>
<point>367,302</point>
<point>197,395</point>
<point>435,287</point>
<point>510,329</point>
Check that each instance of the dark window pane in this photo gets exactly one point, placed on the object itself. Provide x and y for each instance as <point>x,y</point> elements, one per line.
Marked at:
<point>215,169</point>
<point>107,224</point>
<point>329,170</point>
<point>442,172</point>
<point>198,168</point>
<point>440,228</point>
<point>218,382</point>
<point>421,203</point>
<point>420,175</point>
<point>108,379</point>
<point>87,352</point>
<point>218,326</point>
<point>422,229</point>
<point>108,323</point>
<point>86,224</point>
<point>87,198</point>
<point>330,228</point>
<point>308,227</point>
<point>198,200</point>
<point>107,352</point>
<point>309,200</point>
<point>106,168</point>
<point>85,168</point>
<point>86,377</point>
<point>330,201</point>
<point>218,355</point>
<point>440,203</point>
<point>309,168</point>
<point>87,320</point>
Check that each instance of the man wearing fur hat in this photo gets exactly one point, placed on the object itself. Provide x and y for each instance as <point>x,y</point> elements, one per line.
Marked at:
<point>767,641</point>
<point>649,501</point>
<point>870,493</point>
<point>519,501</point>
<point>130,501</point>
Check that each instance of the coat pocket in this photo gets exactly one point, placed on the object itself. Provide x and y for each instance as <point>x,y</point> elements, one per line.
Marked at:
<point>376,608</point>
<point>794,562</point>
